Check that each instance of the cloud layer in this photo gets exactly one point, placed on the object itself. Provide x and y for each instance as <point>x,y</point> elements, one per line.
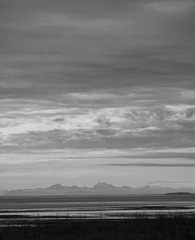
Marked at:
<point>60,126</point>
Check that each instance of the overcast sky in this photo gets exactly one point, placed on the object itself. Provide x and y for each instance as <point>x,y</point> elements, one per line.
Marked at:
<point>97,91</point>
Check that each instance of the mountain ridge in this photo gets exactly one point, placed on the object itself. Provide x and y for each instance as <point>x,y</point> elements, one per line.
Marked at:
<point>100,188</point>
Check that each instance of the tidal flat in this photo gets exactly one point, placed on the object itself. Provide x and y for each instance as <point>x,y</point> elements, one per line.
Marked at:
<point>98,217</point>
<point>162,228</point>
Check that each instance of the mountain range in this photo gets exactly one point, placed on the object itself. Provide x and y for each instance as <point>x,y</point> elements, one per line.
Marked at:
<point>99,189</point>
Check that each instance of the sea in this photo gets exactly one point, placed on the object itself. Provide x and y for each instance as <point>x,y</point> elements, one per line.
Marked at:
<point>21,210</point>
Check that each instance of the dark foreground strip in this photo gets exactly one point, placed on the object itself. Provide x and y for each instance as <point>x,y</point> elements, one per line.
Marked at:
<point>162,228</point>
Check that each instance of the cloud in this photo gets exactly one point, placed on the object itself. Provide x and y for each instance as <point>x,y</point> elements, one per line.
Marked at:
<point>49,48</point>
<point>98,115</point>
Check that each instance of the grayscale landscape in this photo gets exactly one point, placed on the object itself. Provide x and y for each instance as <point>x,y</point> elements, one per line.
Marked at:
<point>97,119</point>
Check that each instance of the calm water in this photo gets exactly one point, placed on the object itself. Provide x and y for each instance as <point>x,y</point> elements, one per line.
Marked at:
<point>98,207</point>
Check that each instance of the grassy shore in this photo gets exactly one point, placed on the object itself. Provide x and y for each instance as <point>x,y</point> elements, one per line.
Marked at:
<point>162,228</point>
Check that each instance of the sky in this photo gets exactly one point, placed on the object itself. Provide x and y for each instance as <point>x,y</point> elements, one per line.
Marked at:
<point>96,91</point>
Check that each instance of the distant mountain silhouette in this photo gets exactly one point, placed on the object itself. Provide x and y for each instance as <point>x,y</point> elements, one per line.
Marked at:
<point>56,187</point>
<point>102,185</point>
<point>100,188</point>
